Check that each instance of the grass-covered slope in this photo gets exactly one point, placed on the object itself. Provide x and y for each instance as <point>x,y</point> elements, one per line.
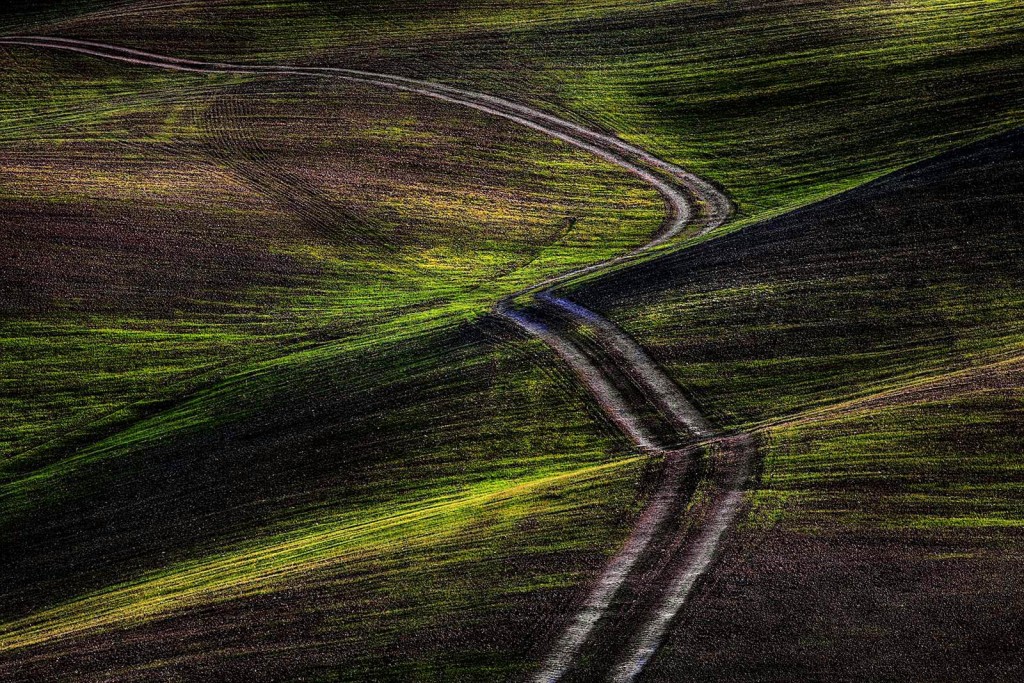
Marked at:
<point>238,374</point>
<point>914,276</point>
<point>157,228</point>
<point>255,427</point>
<point>781,103</point>
<point>421,512</point>
<point>874,341</point>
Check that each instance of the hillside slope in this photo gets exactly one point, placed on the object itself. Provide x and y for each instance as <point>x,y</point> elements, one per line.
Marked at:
<point>258,424</point>
<point>875,340</point>
<point>780,103</point>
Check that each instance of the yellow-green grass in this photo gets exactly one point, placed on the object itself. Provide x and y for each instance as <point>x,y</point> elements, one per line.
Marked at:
<point>318,372</point>
<point>463,480</point>
<point>315,212</point>
<point>440,533</point>
<point>944,464</point>
<point>299,28</point>
<point>873,343</point>
<point>461,515</point>
<point>780,103</point>
<point>784,104</point>
<point>937,454</point>
<point>748,388</point>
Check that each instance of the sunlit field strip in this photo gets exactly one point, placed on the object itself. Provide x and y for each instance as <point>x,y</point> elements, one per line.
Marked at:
<point>262,565</point>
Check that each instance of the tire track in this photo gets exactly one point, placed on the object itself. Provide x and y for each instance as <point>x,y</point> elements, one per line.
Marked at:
<point>691,204</point>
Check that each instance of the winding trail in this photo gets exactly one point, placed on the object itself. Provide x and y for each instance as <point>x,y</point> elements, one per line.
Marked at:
<point>692,204</point>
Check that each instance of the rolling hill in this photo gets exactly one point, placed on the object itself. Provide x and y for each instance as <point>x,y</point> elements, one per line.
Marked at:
<point>259,420</point>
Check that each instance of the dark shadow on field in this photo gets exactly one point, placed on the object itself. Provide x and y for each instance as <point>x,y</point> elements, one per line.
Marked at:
<point>918,269</point>
<point>789,606</point>
<point>900,557</point>
<point>450,408</point>
<point>291,440</point>
<point>953,216</point>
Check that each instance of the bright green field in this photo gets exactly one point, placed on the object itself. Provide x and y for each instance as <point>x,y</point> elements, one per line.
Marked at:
<point>455,508</point>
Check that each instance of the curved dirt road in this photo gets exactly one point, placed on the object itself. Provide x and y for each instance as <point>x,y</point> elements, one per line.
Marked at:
<point>692,203</point>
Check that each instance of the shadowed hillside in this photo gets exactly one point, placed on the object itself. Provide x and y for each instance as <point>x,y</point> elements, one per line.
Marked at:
<point>878,339</point>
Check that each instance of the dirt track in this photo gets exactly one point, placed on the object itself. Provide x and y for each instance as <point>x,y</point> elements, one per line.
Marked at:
<point>692,204</point>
